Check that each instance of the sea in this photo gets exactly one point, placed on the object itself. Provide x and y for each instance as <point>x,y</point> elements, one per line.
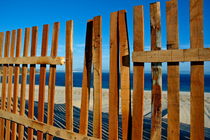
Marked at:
<point>77,80</point>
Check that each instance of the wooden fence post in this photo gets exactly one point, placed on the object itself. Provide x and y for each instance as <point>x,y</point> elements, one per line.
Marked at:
<point>173,71</point>
<point>138,76</point>
<point>24,82</point>
<point>124,75</point>
<point>4,82</point>
<point>156,72</point>
<point>114,78</point>
<point>69,75</point>
<point>97,74</point>
<point>197,72</point>
<point>42,79</point>
<point>32,80</point>
<point>9,95</point>
<point>86,79</point>
<point>52,78</point>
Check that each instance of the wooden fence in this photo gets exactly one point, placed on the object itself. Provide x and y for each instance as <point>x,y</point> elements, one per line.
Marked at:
<point>14,121</point>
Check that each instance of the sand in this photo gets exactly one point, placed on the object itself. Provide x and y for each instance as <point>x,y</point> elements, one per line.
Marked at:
<point>184,103</point>
<point>184,111</point>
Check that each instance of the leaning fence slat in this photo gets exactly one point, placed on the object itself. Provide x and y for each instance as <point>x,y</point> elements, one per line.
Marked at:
<point>156,72</point>
<point>34,38</point>
<point>9,94</point>
<point>197,72</point>
<point>23,85</point>
<point>16,83</point>
<point>138,75</point>
<point>69,75</point>
<point>52,78</point>
<point>173,71</point>
<point>45,128</point>
<point>86,79</point>
<point>42,79</point>
<point>124,75</point>
<point>114,78</point>
<point>4,82</point>
<point>97,74</point>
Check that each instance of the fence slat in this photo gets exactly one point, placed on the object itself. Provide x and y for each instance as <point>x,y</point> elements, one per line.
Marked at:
<point>32,80</point>
<point>69,75</point>
<point>114,78</point>
<point>124,75</point>
<point>9,94</point>
<point>1,43</point>
<point>156,72</point>
<point>23,85</point>
<point>173,71</point>
<point>197,72</point>
<point>52,78</point>
<point>4,82</point>
<point>97,82</point>
<point>42,79</point>
<point>86,79</point>
<point>16,83</point>
<point>138,75</point>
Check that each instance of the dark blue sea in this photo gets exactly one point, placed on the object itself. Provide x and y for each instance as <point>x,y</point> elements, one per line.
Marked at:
<point>77,78</point>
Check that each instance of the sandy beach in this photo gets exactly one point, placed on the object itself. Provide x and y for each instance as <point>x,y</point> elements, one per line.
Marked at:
<point>184,110</point>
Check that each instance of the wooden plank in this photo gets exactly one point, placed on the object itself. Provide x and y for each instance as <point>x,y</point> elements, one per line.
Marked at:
<point>114,78</point>
<point>52,78</point>
<point>175,55</point>
<point>16,83</point>
<point>32,80</point>
<point>1,43</point>
<point>42,80</point>
<point>4,82</point>
<point>23,85</point>
<point>86,79</point>
<point>97,74</point>
<point>156,72</point>
<point>197,72</point>
<point>173,71</point>
<point>69,75</point>
<point>138,75</point>
<point>125,76</point>
<point>45,128</point>
<point>9,94</point>
<point>34,60</point>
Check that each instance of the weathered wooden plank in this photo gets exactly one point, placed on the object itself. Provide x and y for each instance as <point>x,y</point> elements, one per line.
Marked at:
<point>9,93</point>
<point>52,78</point>
<point>34,39</point>
<point>1,43</point>
<point>16,83</point>
<point>124,75</point>
<point>114,78</point>
<point>173,71</point>
<point>69,75</point>
<point>23,85</point>
<point>4,82</point>
<point>86,79</point>
<point>138,75</point>
<point>175,55</point>
<point>34,60</point>
<point>45,128</point>
<point>156,72</point>
<point>197,72</point>
<point>42,80</point>
<point>97,74</point>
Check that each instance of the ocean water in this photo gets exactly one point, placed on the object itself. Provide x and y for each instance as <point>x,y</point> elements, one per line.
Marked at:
<point>77,80</point>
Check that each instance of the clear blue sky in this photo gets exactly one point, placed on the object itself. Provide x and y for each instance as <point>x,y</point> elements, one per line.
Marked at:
<point>27,13</point>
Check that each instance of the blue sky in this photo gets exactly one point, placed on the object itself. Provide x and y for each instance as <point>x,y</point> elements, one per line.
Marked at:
<point>27,13</point>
